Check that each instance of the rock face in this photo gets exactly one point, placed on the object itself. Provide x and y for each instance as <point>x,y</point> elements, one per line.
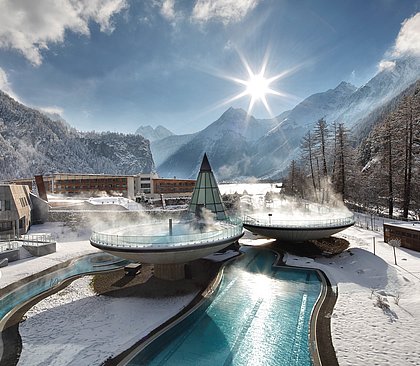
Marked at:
<point>31,143</point>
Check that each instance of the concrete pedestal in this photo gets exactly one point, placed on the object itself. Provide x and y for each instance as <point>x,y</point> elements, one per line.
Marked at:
<point>170,272</point>
<point>41,249</point>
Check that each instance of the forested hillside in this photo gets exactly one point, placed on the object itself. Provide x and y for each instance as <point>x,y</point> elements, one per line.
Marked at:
<point>31,143</point>
<point>380,173</point>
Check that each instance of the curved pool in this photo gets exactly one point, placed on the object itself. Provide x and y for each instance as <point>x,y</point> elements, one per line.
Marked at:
<point>91,263</point>
<point>259,316</point>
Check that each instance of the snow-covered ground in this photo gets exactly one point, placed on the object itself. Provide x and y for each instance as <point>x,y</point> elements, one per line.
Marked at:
<point>76,327</point>
<point>70,244</point>
<point>363,332</point>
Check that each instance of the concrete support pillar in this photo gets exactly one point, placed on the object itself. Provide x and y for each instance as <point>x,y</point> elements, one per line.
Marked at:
<point>170,272</point>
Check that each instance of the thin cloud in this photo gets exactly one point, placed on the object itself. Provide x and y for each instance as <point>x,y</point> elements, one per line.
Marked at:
<point>30,26</point>
<point>225,11</point>
<point>52,110</point>
<point>408,39</point>
<point>168,9</point>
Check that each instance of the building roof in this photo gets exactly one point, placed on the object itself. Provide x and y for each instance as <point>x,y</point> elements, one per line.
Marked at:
<point>206,193</point>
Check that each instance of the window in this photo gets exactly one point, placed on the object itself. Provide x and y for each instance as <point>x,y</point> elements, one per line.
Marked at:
<point>5,226</point>
<point>7,205</point>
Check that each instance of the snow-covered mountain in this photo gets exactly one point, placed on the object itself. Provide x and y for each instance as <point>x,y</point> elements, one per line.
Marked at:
<point>163,149</point>
<point>153,134</point>
<point>226,142</point>
<point>31,143</point>
<point>378,91</point>
<point>242,146</point>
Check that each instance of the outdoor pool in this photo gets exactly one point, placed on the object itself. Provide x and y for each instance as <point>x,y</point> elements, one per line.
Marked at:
<point>259,316</point>
<point>91,263</point>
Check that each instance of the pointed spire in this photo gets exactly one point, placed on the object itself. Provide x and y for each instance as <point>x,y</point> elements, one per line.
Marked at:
<point>205,165</point>
<point>206,193</point>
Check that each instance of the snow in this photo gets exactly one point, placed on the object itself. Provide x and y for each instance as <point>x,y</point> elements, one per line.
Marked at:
<point>363,333</point>
<point>77,327</point>
<point>70,244</point>
<point>66,328</point>
<point>121,201</point>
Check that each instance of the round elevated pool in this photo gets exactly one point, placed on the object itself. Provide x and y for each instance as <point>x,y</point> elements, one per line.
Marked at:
<point>167,242</point>
<point>297,229</point>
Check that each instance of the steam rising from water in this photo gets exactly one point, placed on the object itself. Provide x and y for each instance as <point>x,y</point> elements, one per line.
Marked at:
<point>260,200</point>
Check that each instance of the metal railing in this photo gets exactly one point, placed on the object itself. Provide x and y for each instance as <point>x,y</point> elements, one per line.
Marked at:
<point>9,245</point>
<point>298,223</point>
<point>36,239</point>
<point>219,231</point>
<point>30,240</point>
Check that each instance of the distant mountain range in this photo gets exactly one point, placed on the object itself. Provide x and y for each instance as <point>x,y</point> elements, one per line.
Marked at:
<point>153,134</point>
<point>240,146</point>
<point>32,143</point>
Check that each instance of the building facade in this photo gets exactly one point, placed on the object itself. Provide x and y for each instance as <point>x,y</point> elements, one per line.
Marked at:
<point>15,209</point>
<point>140,187</point>
<point>143,184</point>
<point>173,187</point>
<point>407,233</point>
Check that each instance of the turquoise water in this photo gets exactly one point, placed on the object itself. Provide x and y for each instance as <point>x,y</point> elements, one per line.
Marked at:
<point>89,264</point>
<point>259,316</point>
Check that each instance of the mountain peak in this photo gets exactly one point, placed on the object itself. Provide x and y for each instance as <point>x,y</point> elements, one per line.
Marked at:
<point>234,111</point>
<point>153,134</point>
<point>345,86</point>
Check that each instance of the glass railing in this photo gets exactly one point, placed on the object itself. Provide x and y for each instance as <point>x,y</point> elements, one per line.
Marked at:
<point>298,223</point>
<point>220,230</point>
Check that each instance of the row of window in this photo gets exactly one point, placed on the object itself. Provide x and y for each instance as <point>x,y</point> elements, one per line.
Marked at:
<point>96,186</point>
<point>105,180</point>
<point>179,184</point>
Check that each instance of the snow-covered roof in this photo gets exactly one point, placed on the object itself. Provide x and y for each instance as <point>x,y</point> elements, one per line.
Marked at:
<point>415,226</point>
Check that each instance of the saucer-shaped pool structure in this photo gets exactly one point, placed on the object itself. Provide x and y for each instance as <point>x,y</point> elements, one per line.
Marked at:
<point>205,229</point>
<point>164,243</point>
<point>297,229</point>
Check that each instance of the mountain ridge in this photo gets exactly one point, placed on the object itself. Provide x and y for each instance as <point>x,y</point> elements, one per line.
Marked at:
<point>31,143</point>
<point>268,155</point>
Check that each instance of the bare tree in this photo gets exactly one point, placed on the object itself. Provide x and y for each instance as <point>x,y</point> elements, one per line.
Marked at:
<point>308,155</point>
<point>321,135</point>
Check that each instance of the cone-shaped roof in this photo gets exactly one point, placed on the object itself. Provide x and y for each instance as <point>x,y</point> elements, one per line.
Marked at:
<point>205,165</point>
<point>206,193</point>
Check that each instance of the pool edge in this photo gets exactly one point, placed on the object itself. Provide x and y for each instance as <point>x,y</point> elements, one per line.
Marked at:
<point>124,357</point>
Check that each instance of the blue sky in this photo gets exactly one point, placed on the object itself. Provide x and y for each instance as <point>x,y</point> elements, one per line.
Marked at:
<point>118,64</point>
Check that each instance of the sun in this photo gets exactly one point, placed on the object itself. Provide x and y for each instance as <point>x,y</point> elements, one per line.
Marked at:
<point>257,86</point>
